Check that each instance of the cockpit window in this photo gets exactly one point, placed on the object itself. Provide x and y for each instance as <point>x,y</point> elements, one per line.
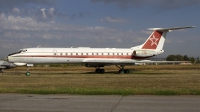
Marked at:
<point>24,50</point>
<point>21,50</point>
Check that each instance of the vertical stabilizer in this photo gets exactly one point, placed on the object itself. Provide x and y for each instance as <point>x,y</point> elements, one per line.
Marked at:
<point>157,39</point>
<point>154,40</point>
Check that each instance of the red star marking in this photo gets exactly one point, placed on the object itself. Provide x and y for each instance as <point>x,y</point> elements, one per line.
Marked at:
<point>154,41</point>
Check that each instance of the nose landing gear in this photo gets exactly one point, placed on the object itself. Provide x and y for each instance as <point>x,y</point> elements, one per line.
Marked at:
<point>27,69</point>
<point>27,72</point>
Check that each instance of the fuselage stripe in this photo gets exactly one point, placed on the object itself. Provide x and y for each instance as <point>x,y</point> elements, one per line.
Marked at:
<point>85,56</point>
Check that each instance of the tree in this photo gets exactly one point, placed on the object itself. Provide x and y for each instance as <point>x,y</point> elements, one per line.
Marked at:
<point>175,58</point>
<point>170,58</point>
<point>197,61</point>
<point>192,60</point>
<point>182,58</point>
<point>179,57</point>
<point>185,58</point>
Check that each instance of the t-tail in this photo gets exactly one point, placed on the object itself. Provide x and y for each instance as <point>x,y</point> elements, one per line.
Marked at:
<point>154,44</point>
<point>157,38</point>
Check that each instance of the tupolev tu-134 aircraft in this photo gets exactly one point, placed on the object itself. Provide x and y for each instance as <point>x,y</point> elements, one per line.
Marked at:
<point>96,57</point>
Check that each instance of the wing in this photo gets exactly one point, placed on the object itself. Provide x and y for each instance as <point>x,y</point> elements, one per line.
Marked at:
<point>106,62</point>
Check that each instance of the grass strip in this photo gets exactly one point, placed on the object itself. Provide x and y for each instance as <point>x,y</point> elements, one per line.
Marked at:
<point>143,80</point>
<point>101,91</point>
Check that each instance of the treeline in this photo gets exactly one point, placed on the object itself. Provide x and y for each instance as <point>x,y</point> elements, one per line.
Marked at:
<point>182,58</point>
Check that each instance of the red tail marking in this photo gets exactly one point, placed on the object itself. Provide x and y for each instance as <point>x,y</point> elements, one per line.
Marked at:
<point>153,41</point>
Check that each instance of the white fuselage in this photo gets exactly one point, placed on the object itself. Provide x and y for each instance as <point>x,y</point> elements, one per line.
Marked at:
<point>71,55</point>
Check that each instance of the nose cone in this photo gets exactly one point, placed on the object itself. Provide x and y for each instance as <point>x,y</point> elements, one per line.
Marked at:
<point>11,65</point>
<point>6,58</point>
<point>9,59</point>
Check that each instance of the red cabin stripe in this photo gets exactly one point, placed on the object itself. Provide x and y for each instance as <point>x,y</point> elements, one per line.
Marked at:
<point>88,56</point>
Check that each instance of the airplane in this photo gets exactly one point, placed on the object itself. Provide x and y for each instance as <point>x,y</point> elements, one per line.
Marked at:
<point>96,57</point>
<point>5,65</point>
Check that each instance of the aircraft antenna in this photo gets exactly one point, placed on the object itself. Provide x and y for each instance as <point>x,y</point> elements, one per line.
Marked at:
<point>38,46</point>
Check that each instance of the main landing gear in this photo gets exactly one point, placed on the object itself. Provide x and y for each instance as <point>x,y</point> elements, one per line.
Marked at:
<point>122,70</point>
<point>98,70</point>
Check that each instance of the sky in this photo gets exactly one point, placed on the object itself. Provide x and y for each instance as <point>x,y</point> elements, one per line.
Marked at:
<point>98,23</point>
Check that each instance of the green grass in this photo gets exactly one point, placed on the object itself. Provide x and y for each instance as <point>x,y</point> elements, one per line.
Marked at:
<point>143,80</point>
<point>100,91</point>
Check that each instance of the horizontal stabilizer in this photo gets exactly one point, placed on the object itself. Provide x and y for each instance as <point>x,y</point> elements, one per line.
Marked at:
<point>169,29</point>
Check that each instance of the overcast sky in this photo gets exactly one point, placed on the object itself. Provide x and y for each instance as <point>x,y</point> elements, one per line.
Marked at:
<point>98,23</point>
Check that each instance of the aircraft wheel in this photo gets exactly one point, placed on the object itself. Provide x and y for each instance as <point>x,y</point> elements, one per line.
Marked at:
<point>99,71</point>
<point>28,73</point>
<point>121,71</point>
<point>96,71</point>
<point>126,71</point>
<point>102,70</point>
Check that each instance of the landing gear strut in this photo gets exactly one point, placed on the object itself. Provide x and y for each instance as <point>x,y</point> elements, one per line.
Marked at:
<point>122,70</point>
<point>98,70</point>
<point>27,72</point>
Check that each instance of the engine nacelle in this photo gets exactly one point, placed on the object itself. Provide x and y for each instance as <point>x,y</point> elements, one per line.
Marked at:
<point>144,53</point>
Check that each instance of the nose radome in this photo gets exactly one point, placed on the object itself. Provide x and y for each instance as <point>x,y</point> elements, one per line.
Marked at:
<point>7,58</point>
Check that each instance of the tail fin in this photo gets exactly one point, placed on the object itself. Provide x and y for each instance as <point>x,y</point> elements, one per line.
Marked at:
<point>157,38</point>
